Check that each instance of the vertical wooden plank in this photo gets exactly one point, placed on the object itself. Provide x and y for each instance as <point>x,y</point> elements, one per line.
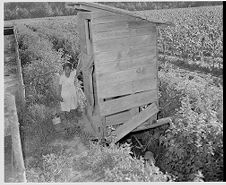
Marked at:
<point>20,74</point>
<point>91,119</point>
<point>95,91</point>
<point>87,62</point>
<point>91,52</point>
<point>101,120</point>
<point>82,38</point>
<point>12,162</point>
<point>157,66</point>
<point>89,77</point>
<point>16,141</point>
<point>88,36</point>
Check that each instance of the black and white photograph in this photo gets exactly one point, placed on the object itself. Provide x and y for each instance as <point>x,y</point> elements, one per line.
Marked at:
<point>112,91</point>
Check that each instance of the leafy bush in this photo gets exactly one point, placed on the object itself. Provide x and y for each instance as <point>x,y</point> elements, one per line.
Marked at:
<point>43,60</point>
<point>192,148</point>
<point>41,63</point>
<point>115,164</point>
<point>191,145</point>
<point>35,127</point>
<point>19,10</point>
<point>54,32</point>
<point>55,167</point>
<point>195,140</point>
<point>99,163</point>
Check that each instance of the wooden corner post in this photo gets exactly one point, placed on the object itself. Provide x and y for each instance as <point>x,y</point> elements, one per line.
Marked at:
<point>88,70</point>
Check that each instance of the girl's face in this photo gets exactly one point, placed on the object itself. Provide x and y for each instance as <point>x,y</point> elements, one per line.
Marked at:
<point>67,70</point>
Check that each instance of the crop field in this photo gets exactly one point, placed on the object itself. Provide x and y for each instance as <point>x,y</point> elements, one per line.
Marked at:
<point>195,41</point>
<point>191,92</point>
<point>197,36</point>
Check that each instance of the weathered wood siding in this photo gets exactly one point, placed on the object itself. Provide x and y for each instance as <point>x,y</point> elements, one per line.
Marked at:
<point>88,70</point>
<point>86,56</point>
<point>125,62</point>
<point>14,100</point>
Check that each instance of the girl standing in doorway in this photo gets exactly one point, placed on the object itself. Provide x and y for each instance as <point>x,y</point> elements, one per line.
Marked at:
<point>67,91</point>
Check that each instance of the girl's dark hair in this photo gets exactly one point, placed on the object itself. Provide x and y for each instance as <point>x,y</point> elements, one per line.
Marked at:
<point>67,64</point>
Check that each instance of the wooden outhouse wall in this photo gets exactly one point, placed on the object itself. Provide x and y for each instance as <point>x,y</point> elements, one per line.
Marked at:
<point>125,60</point>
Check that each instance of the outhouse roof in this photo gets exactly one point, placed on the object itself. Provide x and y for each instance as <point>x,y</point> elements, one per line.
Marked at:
<point>91,6</point>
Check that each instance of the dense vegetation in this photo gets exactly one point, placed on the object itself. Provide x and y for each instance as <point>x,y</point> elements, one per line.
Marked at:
<point>196,40</point>
<point>191,149</point>
<point>138,6</point>
<point>42,61</point>
<point>21,10</point>
<point>194,142</point>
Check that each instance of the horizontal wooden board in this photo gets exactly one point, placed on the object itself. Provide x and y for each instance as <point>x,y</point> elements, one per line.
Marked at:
<point>158,123</point>
<point>125,54</point>
<point>103,14</point>
<point>118,118</point>
<point>111,18</point>
<point>147,123</point>
<point>119,89</point>
<point>137,73</point>
<point>121,65</point>
<point>122,43</point>
<point>86,8</point>
<point>100,14</point>
<point>127,102</point>
<point>134,122</point>
<point>123,33</point>
<point>121,24</point>
<point>84,15</point>
<point>109,26</point>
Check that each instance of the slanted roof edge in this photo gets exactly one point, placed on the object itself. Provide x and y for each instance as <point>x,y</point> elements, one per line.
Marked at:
<point>117,10</point>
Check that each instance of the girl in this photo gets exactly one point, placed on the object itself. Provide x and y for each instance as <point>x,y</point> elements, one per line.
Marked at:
<point>67,91</point>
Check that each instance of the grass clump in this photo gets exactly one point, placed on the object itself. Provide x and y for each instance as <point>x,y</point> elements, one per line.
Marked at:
<point>115,164</point>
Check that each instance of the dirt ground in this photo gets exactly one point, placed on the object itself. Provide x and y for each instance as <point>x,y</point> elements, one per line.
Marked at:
<point>73,144</point>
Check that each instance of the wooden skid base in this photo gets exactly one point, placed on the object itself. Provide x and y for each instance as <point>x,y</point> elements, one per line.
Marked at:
<point>158,123</point>
<point>135,121</point>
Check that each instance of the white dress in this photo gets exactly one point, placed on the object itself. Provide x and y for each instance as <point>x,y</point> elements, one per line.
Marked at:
<point>68,92</point>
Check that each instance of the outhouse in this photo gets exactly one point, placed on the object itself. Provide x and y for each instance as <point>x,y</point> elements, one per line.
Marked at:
<point>119,66</point>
